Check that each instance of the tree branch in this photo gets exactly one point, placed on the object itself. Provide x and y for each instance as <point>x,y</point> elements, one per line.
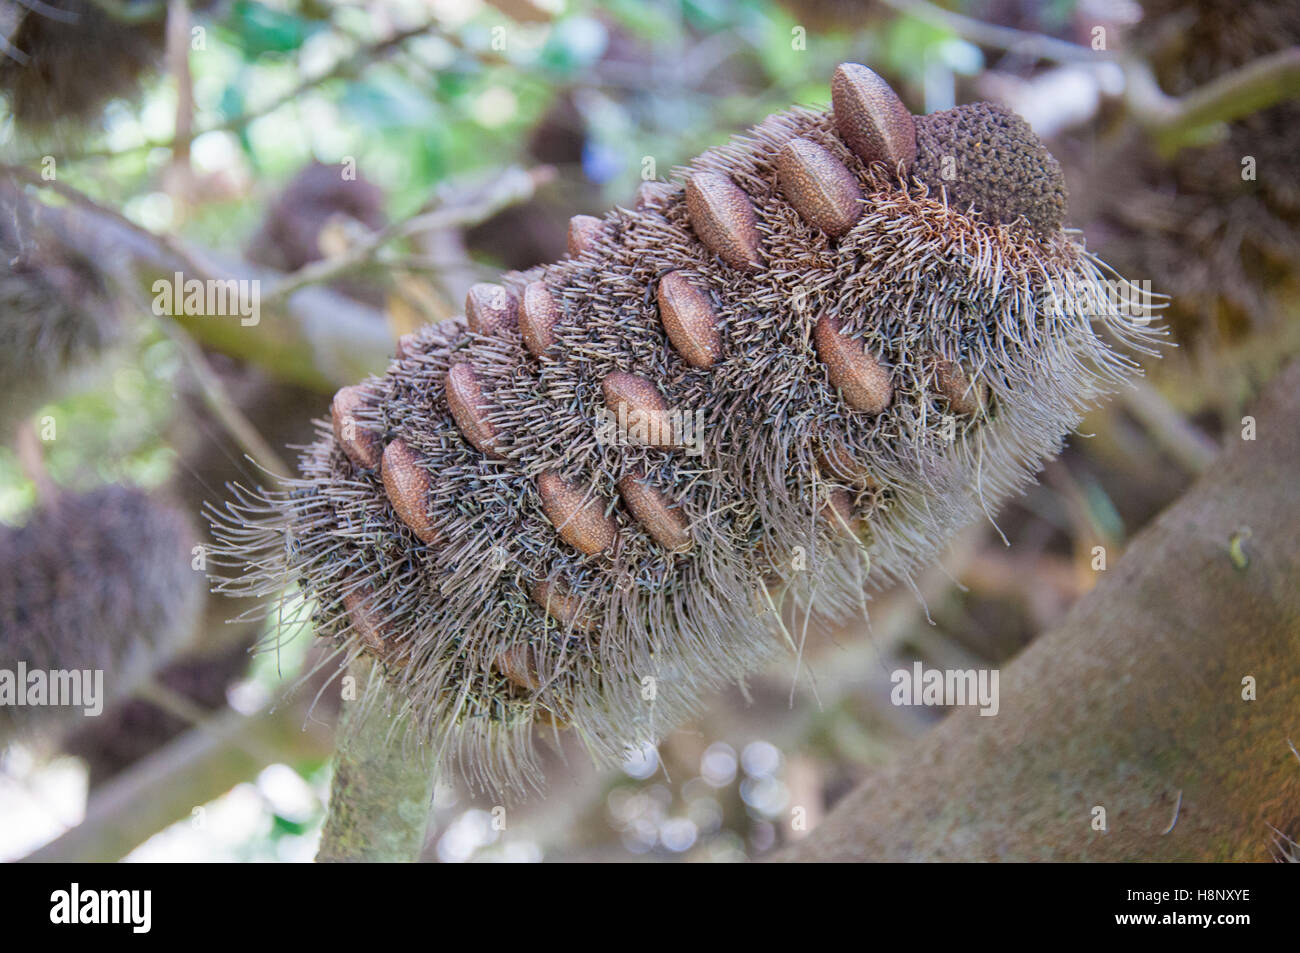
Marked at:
<point>1177,121</point>
<point>1137,696</point>
<point>381,794</point>
<point>316,338</point>
<point>1035,45</point>
<point>192,770</point>
<point>509,187</point>
<point>346,68</point>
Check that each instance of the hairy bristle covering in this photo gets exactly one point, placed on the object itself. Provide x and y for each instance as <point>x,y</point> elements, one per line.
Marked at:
<point>58,314</point>
<point>683,595</point>
<point>100,580</point>
<point>70,64</point>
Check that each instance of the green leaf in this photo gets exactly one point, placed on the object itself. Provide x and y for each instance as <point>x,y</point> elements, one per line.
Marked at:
<point>259,29</point>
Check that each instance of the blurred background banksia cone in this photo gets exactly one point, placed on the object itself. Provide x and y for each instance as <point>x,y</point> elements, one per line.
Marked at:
<point>58,313</point>
<point>67,58</point>
<point>100,581</point>
<point>885,330</point>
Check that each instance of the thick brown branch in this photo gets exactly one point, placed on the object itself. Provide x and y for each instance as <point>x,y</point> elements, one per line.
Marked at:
<point>1136,697</point>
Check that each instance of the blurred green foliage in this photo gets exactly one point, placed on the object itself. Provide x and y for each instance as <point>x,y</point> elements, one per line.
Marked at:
<point>279,83</point>
<point>661,80</point>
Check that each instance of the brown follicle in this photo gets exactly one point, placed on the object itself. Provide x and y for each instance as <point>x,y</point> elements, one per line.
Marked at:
<point>577,514</point>
<point>862,380</point>
<point>519,667</point>
<point>871,118</point>
<point>665,522</point>
<point>469,408</point>
<point>376,635</point>
<point>562,605</point>
<point>362,446</point>
<point>584,233</point>
<point>491,309</point>
<point>819,186</point>
<point>538,316</point>
<point>689,320</point>
<point>723,219</point>
<point>954,385</point>
<point>652,194</point>
<point>839,514</point>
<point>634,398</point>
<point>837,462</point>
<point>407,346</point>
<point>407,486</point>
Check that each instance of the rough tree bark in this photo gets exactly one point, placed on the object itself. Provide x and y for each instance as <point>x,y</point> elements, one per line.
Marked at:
<point>1134,704</point>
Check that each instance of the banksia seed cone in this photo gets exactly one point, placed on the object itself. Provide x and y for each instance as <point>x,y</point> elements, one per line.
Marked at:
<point>319,196</point>
<point>57,312</point>
<point>72,60</point>
<point>220,654</point>
<point>100,580</point>
<point>859,396</point>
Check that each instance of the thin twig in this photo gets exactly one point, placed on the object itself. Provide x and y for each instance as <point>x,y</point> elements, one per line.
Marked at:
<point>1193,450</point>
<point>510,187</point>
<point>222,405</point>
<point>15,54</point>
<point>162,696</point>
<point>345,68</point>
<point>178,64</point>
<point>1035,45</point>
<point>31,460</point>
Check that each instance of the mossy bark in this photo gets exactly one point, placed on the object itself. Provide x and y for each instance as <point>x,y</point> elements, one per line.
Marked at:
<point>1136,704</point>
<point>381,794</point>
